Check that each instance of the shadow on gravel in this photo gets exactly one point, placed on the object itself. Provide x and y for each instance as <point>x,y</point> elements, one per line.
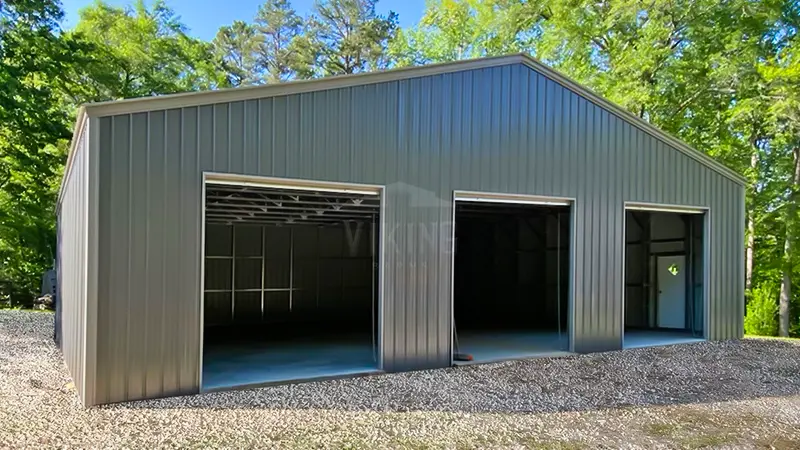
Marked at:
<point>682,374</point>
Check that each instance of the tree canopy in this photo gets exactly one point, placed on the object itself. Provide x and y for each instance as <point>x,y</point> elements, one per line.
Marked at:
<point>722,75</point>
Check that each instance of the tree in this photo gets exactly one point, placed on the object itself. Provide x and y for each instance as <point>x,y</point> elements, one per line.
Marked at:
<point>344,37</point>
<point>783,74</point>
<point>238,47</point>
<point>33,134</point>
<point>279,26</point>
<point>46,72</point>
<point>448,31</point>
<point>142,51</point>
<point>459,29</point>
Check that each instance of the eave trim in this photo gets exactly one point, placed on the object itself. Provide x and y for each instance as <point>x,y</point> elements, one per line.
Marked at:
<point>201,98</point>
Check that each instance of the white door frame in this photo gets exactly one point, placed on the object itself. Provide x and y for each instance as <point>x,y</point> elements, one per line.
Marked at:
<point>671,208</point>
<point>298,184</point>
<point>519,199</point>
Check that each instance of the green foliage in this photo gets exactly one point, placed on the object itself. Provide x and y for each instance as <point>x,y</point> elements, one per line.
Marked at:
<point>143,51</point>
<point>457,29</point>
<point>345,37</point>
<point>280,27</point>
<point>267,51</point>
<point>338,37</point>
<point>45,73</point>
<point>761,318</point>
<point>33,133</point>
<point>723,76</point>
<point>237,46</point>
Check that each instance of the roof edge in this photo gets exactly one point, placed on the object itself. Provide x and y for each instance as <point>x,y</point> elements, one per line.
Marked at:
<point>199,98</point>
<point>634,120</point>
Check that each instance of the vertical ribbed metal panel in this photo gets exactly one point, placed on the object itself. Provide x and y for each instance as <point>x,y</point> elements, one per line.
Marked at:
<point>73,276</point>
<point>501,129</point>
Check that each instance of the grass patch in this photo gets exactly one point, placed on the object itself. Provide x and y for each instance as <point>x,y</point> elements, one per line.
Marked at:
<point>697,430</point>
<point>530,442</point>
<point>694,419</point>
<point>778,443</point>
<point>705,441</point>
<point>660,429</point>
<point>772,338</point>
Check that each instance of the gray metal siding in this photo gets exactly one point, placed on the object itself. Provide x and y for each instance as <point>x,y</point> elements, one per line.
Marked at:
<point>499,129</point>
<point>72,263</point>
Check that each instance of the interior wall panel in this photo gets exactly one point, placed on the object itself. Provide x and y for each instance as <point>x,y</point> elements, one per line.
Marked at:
<point>505,128</point>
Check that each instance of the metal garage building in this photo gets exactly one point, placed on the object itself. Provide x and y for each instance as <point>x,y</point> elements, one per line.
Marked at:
<point>383,222</point>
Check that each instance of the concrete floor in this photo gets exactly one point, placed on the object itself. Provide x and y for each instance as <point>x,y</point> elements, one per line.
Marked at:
<point>654,338</point>
<point>236,364</point>
<point>502,345</point>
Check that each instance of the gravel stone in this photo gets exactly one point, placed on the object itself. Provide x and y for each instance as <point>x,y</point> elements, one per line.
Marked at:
<point>732,394</point>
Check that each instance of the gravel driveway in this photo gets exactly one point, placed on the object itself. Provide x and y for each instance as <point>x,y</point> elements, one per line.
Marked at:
<point>742,394</point>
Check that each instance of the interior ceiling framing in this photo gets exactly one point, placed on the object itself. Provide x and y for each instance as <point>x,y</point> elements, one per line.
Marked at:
<point>523,209</point>
<point>230,204</point>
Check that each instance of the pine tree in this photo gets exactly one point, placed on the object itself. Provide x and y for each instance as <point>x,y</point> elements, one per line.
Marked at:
<point>279,25</point>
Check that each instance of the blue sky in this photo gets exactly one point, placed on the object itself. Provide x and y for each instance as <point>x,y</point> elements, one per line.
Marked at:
<point>204,17</point>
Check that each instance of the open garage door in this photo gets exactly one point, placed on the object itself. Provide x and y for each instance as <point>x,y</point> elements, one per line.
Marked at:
<point>664,276</point>
<point>511,284</point>
<point>291,283</point>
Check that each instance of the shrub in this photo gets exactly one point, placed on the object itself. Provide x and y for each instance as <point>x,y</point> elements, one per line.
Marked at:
<point>762,312</point>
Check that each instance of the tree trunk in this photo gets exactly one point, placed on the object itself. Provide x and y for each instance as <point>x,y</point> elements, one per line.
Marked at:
<point>751,231</point>
<point>786,280</point>
<point>786,291</point>
<point>751,243</point>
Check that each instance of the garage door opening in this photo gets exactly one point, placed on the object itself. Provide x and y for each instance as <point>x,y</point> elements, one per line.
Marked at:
<point>511,280</point>
<point>664,278</point>
<point>291,284</point>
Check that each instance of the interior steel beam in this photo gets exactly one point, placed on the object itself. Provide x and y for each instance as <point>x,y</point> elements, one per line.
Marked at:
<point>266,221</point>
<point>251,213</point>
<point>293,214</point>
<point>285,219</point>
<point>520,199</point>
<point>302,188</point>
<point>367,210</point>
<point>367,203</point>
<point>320,197</point>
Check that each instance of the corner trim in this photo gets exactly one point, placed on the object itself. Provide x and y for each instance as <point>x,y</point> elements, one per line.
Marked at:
<point>92,255</point>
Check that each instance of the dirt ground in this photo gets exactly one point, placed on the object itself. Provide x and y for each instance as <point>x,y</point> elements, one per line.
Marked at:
<point>737,394</point>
